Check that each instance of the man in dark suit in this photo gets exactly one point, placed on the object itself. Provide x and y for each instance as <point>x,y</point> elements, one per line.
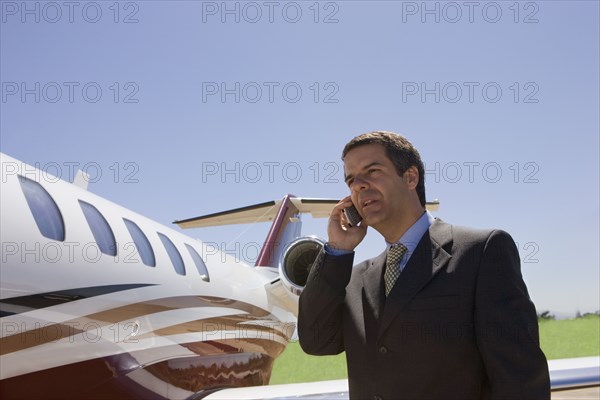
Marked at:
<point>443,313</point>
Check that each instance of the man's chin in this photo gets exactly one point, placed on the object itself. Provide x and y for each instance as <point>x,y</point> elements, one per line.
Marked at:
<point>373,220</point>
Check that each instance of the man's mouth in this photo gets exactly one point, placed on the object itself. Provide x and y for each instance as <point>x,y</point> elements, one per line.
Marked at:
<point>368,203</point>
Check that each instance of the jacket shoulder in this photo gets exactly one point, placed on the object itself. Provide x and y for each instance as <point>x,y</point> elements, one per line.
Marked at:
<point>459,233</point>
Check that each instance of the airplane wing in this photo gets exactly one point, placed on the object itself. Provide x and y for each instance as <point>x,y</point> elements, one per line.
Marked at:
<point>285,215</point>
<point>324,390</point>
<point>572,378</point>
<point>574,372</point>
<point>267,211</point>
<point>255,213</point>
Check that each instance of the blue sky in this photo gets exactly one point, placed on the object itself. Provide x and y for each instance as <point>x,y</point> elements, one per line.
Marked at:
<point>183,108</point>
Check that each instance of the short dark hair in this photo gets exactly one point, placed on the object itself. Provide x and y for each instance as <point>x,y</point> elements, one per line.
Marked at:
<point>398,149</point>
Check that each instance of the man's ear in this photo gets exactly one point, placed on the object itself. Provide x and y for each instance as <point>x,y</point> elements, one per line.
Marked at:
<point>411,177</point>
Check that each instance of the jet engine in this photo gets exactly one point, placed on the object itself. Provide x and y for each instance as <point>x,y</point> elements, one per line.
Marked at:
<point>296,262</point>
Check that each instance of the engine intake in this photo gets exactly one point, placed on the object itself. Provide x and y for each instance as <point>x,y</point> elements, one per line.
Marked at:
<point>296,262</point>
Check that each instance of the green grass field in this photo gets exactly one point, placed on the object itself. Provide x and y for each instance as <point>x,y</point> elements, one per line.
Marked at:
<point>570,337</point>
<point>559,339</point>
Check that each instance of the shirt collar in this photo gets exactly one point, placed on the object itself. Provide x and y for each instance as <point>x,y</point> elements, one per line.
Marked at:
<point>413,235</point>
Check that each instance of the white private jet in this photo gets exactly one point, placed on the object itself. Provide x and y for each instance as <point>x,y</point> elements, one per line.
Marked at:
<point>99,302</point>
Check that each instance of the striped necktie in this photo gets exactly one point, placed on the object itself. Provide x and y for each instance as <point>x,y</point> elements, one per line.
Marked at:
<point>392,266</point>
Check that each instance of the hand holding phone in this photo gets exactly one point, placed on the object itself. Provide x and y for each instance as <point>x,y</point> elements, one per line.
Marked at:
<point>352,215</point>
<point>345,230</point>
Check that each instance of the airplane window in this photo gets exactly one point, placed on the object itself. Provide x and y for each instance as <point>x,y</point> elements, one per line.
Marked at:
<point>45,212</point>
<point>100,229</point>
<point>199,263</point>
<point>173,254</point>
<point>142,243</point>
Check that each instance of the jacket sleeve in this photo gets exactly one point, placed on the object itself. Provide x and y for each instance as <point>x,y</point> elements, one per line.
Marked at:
<point>322,302</point>
<point>506,325</point>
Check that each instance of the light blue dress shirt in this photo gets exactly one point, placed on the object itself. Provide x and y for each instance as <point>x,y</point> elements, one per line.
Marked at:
<point>410,239</point>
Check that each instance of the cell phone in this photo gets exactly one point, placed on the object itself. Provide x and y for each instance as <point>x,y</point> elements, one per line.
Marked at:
<point>352,215</point>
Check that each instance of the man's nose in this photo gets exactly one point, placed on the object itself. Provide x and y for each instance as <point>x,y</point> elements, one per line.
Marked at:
<point>359,184</point>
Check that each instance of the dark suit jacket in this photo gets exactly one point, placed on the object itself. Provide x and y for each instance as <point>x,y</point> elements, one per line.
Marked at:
<point>458,323</point>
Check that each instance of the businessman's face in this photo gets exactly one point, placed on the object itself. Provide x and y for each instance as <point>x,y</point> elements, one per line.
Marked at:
<point>382,197</point>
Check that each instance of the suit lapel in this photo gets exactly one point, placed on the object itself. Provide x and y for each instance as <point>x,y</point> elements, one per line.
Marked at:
<point>426,261</point>
<point>372,284</point>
